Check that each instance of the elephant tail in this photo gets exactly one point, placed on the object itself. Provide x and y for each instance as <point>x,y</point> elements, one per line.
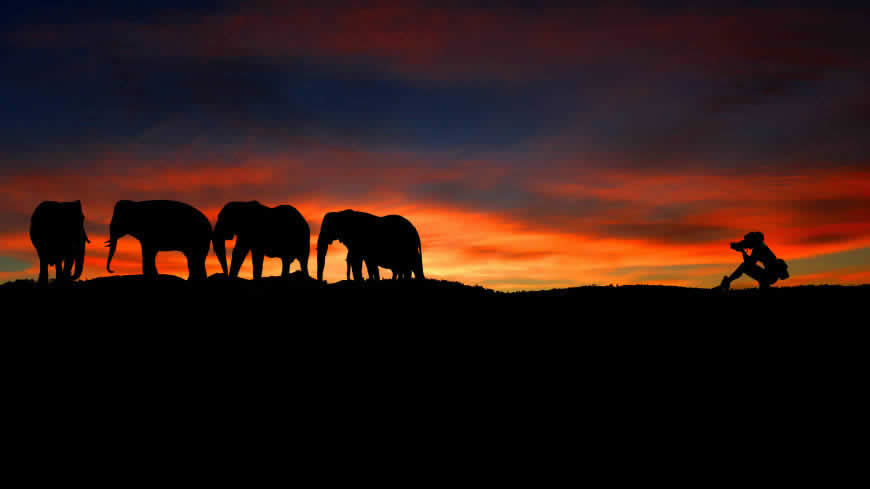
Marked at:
<point>418,265</point>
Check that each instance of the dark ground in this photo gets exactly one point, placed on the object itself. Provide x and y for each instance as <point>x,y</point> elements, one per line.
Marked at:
<point>426,311</point>
<point>417,380</point>
<point>297,303</point>
<point>296,284</point>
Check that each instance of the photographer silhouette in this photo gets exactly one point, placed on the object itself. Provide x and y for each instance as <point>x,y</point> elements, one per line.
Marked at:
<point>762,265</point>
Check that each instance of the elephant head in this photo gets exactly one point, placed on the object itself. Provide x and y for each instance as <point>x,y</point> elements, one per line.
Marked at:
<point>123,219</point>
<point>335,225</point>
<point>233,219</point>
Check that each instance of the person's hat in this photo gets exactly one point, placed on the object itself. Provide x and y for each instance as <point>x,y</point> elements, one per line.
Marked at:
<point>754,236</point>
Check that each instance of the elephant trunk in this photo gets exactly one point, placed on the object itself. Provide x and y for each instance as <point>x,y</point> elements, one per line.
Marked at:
<point>418,266</point>
<point>79,262</point>
<point>220,247</point>
<point>112,243</point>
<point>321,258</point>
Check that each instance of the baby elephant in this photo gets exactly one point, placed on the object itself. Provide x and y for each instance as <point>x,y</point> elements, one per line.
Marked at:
<point>57,230</point>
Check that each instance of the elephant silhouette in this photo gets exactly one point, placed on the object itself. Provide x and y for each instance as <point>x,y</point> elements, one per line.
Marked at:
<point>276,232</point>
<point>391,242</point>
<point>57,231</point>
<point>162,225</point>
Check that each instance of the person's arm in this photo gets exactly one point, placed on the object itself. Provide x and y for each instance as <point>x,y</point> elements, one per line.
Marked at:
<point>749,259</point>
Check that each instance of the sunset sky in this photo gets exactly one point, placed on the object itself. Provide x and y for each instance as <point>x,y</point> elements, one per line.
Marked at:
<point>532,147</point>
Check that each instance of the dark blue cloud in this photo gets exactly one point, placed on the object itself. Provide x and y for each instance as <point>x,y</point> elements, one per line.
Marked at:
<point>92,88</point>
<point>68,97</point>
<point>18,12</point>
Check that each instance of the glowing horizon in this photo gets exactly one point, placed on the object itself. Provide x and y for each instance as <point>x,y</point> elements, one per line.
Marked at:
<point>532,148</point>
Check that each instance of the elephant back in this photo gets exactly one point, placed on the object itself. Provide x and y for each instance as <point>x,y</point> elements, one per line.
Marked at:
<point>162,213</point>
<point>290,216</point>
<point>173,225</point>
<point>288,229</point>
<point>56,224</point>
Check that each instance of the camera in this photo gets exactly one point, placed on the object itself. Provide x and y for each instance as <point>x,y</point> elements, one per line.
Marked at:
<point>736,246</point>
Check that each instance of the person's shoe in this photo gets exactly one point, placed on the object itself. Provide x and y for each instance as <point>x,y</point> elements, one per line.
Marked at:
<point>726,283</point>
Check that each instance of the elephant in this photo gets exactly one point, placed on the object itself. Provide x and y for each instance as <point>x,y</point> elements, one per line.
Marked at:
<point>162,225</point>
<point>276,232</point>
<point>390,242</point>
<point>57,231</point>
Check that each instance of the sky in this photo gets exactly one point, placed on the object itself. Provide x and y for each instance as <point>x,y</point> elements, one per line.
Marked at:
<point>532,146</point>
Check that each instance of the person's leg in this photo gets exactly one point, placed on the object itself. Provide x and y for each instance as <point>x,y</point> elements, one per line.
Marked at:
<point>758,274</point>
<point>744,267</point>
<point>737,272</point>
<point>768,278</point>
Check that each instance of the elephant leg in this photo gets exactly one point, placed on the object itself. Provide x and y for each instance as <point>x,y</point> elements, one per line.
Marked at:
<point>195,266</point>
<point>257,260</point>
<point>285,265</point>
<point>191,267</point>
<point>356,267</point>
<point>43,272</point>
<point>58,269</point>
<point>149,262</point>
<point>303,265</point>
<point>67,267</point>
<point>239,254</point>
<point>200,264</point>
<point>374,274</point>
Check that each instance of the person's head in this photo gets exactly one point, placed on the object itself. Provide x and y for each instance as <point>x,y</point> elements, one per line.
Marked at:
<point>751,240</point>
<point>754,237</point>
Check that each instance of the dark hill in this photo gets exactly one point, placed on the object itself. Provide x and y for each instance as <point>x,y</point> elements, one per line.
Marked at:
<point>298,300</point>
<point>298,284</point>
<point>295,353</point>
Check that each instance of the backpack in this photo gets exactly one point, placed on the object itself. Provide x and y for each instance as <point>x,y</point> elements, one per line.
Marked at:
<point>781,269</point>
